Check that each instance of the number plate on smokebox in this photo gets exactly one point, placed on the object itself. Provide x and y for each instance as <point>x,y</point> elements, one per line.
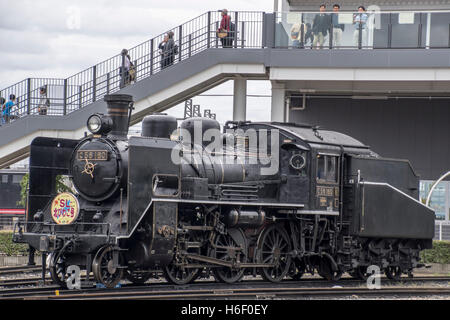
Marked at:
<point>95,155</point>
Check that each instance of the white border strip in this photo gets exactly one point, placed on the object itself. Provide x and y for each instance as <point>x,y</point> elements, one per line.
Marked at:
<point>394,188</point>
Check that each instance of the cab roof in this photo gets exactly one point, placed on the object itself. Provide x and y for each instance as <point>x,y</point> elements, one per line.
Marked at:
<point>313,135</point>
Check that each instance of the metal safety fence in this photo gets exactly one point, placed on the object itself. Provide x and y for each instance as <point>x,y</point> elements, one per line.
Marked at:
<point>371,29</point>
<point>7,222</point>
<point>442,230</point>
<point>90,85</point>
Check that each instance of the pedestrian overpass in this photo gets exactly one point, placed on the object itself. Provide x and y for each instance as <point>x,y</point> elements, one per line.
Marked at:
<point>261,51</point>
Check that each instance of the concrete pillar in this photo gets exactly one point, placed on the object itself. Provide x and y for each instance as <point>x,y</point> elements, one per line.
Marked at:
<point>240,99</point>
<point>278,102</point>
<point>285,7</point>
<point>275,5</point>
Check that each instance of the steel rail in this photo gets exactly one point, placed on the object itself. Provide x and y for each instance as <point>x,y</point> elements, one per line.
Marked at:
<point>252,293</point>
<point>200,287</point>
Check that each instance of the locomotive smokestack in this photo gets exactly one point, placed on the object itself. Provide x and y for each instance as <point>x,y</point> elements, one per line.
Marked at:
<point>119,106</point>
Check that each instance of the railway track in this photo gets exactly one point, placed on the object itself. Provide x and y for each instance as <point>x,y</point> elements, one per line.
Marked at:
<point>253,293</point>
<point>253,289</point>
<point>8,283</point>
<point>257,292</point>
<point>19,269</point>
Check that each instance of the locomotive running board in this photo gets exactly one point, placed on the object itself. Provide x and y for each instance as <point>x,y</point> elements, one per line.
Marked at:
<point>238,203</point>
<point>228,264</point>
<point>298,207</point>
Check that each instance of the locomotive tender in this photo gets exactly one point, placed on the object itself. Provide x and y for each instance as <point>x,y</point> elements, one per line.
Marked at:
<point>314,200</point>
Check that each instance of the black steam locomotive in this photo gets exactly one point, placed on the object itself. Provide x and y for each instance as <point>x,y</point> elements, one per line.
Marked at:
<point>275,199</point>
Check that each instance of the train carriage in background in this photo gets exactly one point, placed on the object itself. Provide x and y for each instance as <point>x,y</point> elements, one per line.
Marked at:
<point>164,203</point>
<point>10,196</point>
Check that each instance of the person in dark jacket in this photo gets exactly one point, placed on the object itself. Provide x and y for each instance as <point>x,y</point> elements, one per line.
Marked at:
<point>167,50</point>
<point>338,28</point>
<point>321,25</point>
<point>172,49</point>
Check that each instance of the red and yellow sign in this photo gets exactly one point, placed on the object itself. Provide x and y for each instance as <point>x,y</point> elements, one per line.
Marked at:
<point>65,208</point>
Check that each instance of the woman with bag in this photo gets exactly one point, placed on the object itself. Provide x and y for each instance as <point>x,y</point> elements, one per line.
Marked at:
<point>296,34</point>
<point>226,37</point>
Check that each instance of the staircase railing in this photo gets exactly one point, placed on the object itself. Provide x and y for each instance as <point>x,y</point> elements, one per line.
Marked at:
<point>90,85</point>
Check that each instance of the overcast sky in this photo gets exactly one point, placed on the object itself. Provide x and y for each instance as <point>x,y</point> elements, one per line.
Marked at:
<point>59,38</point>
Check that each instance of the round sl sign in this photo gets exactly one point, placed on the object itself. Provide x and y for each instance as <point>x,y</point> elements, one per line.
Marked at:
<point>65,208</point>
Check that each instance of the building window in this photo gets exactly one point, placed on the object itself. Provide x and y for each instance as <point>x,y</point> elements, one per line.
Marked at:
<point>17,178</point>
<point>440,199</point>
<point>4,178</point>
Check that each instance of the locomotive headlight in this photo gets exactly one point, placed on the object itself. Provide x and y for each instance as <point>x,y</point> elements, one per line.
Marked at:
<point>94,123</point>
<point>99,124</point>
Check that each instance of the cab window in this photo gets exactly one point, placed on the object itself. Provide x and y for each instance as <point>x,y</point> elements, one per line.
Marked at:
<point>327,168</point>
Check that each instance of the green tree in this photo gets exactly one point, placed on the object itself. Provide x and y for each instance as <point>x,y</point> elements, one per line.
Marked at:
<point>62,185</point>
<point>23,191</point>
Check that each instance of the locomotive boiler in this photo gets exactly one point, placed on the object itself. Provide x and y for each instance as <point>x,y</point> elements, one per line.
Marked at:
<point>271,199</point>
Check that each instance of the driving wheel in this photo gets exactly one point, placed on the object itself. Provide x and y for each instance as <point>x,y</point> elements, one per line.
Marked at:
<point>178,271</point>
<point>274,248</point>
<point>58,268</point>
<point>227,249</point>
<point>104,269</point>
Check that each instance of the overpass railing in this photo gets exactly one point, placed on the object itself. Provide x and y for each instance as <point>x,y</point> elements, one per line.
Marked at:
<point>92,84</point>
<point>364,30</point>
<point>415,29</point>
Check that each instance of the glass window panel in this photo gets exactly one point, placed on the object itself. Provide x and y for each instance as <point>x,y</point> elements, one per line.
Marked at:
<point>320,167</point>
<point>381,30</point>
<point>405,35</point>
<point>438,199</point>
<point>17,178</point>
<point>439,29</point>
<point>332,169</point>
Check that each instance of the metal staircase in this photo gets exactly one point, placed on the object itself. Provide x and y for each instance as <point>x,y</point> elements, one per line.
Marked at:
<point>74,98</point>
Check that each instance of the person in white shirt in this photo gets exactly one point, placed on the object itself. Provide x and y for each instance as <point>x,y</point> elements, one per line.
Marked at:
<point>126,64</point>
<point>44,102</point>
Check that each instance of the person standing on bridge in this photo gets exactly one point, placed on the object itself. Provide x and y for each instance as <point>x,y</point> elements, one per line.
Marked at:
<point>2,107</point>
<point>167,50</point>
<point>125,69</point>
<point>6,113</point>
<point>164,51</point>
<point>172,49</point>
<point>338,28</point>
<point>321,25</point>
<point>226,26</point>
<point>44,102</point>
<point>359,22</point>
